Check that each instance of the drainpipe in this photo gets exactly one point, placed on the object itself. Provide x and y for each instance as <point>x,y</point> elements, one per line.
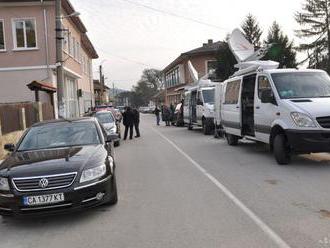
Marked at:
<point>46,40</point>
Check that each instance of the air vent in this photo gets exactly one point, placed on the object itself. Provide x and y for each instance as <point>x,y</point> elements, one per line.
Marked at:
<point>302,100</point>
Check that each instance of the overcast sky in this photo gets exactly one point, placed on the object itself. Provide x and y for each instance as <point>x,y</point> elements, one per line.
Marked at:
<point>131,37</point>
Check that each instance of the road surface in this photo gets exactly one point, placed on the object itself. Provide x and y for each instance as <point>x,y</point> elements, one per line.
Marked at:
<point>179,188</point>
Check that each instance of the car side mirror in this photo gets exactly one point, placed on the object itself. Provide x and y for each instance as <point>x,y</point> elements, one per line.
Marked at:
<point>199,102</point>
<point>9,147</point>
<point>112,137</point>
<point>267,96</point>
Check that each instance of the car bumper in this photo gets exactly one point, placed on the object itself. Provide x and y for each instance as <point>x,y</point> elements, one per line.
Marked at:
<point>76,198</point>
<point>309,141</point>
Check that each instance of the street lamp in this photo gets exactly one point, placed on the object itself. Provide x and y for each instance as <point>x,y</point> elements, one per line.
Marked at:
<point>74,14</point>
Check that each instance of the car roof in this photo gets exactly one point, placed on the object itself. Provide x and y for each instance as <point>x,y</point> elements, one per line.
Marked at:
<point>64,120</point>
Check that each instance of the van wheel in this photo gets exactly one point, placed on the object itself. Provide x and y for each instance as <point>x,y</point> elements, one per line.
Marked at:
<point>232,140</point>
<point>281,149</point>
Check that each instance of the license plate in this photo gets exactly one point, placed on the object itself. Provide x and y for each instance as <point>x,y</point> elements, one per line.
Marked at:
<point>43,199</point>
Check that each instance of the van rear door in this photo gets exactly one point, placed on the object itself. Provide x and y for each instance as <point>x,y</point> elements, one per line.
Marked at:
<point>231,112</point>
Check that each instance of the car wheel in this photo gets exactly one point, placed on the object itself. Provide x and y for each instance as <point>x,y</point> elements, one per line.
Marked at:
<point>232,140</point>
<point>281,149</point>
<point>114,195</point>
<point>207,129</point>
<point>117,143</point>
<point>190,127</point>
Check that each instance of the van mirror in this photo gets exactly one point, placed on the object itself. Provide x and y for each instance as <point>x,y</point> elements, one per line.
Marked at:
<point>267,96</point>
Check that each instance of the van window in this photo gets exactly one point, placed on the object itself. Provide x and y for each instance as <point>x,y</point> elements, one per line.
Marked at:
<point>232,92</point>
<point>263,84</point>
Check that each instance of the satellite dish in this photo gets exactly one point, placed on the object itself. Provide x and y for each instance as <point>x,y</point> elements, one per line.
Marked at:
<point>240,46</point>
<point>192,71</point>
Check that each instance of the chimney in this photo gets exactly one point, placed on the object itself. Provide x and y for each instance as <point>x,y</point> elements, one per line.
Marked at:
<point>204,44</point>
<point>210,42</point>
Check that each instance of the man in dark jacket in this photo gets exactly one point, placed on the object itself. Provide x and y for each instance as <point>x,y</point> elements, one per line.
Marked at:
<point>136,122</point>
<point>156,112</point>
<point>128,121</point>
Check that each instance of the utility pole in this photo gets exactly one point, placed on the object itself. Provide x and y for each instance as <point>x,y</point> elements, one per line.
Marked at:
<point>113,93</point>
<point>101,83</point>
<point>59,60</point>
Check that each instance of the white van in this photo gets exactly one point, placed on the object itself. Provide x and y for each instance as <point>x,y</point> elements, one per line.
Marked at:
<point>198,109</point>
<point>288,109</point>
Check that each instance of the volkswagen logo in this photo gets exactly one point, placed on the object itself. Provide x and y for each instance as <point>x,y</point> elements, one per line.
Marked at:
<point>43,183</point>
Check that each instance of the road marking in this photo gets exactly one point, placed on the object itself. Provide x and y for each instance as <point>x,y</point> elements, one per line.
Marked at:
<point>266,229</point>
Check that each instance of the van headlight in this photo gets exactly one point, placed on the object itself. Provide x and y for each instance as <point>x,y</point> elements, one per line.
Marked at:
<point>93,173</point>
<point>4,184</point>
<point>302,120</point>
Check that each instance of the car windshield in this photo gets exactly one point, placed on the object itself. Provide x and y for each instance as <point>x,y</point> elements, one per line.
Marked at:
<point>302,84</point>
<point>208,96</point>
<point>60,135</point>
<point>105,117</point>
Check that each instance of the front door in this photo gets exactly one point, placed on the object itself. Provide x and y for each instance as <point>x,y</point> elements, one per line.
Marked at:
<point>71,98</point>
<point>264,113</point>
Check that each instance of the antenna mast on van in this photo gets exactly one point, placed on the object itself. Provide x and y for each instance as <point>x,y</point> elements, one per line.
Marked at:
<point>248,59</point>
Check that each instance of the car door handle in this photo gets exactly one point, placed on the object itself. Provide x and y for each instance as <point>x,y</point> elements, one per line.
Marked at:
<point>257,107</point>
<point>237,107</point>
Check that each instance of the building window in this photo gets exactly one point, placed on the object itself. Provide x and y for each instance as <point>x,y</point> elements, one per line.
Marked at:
<point>66,41</point>
<point>25,36</point>
<point>211,66</point>
<point>2,36</point>
<point>172,78</point>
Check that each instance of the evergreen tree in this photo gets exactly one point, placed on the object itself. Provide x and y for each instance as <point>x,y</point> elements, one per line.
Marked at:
<point>225,62</point>
<point>314,20</point>
<point>282,50</point>
<point>252,30</point>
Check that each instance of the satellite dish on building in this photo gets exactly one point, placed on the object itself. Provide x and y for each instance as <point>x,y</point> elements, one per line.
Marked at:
<point>192,71</point>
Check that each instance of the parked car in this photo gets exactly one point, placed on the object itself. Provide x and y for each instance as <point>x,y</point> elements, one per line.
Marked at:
<point>57,166</point>
<point>110,124</point>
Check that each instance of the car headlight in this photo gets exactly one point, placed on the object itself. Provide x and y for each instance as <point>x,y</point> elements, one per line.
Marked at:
<point>302,120</point>
<point>4,184</point>
<point>93,173</point>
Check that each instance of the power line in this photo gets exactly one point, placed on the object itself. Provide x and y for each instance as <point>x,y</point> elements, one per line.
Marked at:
<point>124,58</point>
<point>176,15</point>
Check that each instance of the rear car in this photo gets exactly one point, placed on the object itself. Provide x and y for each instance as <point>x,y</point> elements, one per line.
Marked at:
<point>58,166</point>
<point>110,124</point>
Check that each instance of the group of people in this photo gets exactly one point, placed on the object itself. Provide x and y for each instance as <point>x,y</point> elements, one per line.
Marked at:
<point>131,118</point>
<point>167,114</point>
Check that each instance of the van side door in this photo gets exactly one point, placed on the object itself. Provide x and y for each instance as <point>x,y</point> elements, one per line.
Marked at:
<point>231,107</point>
<point>265,111</point>
<point>186,108</point>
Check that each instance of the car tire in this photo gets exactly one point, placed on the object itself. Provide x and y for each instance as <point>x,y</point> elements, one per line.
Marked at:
<point>207,128</point>
<point>281,150</point>
<point>114,195</point>
<point>190,127</point>
<point>117,143</point>
<point>232,140</point>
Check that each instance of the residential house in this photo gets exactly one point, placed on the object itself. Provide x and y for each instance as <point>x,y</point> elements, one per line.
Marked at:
<point>28,53</point>
<point>176,75</point>
<point>101,98</point>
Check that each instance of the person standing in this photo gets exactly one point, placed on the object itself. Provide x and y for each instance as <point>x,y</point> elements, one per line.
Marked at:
<point>136,115</point>
<point>128,121</point>
<point>157,112</point>
<point>167,115</point>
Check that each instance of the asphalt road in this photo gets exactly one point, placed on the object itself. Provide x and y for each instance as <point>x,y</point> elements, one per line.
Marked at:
<point>179,188</point>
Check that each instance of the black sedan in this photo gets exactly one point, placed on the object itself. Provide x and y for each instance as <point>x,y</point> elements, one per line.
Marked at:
<point>57,166</point>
